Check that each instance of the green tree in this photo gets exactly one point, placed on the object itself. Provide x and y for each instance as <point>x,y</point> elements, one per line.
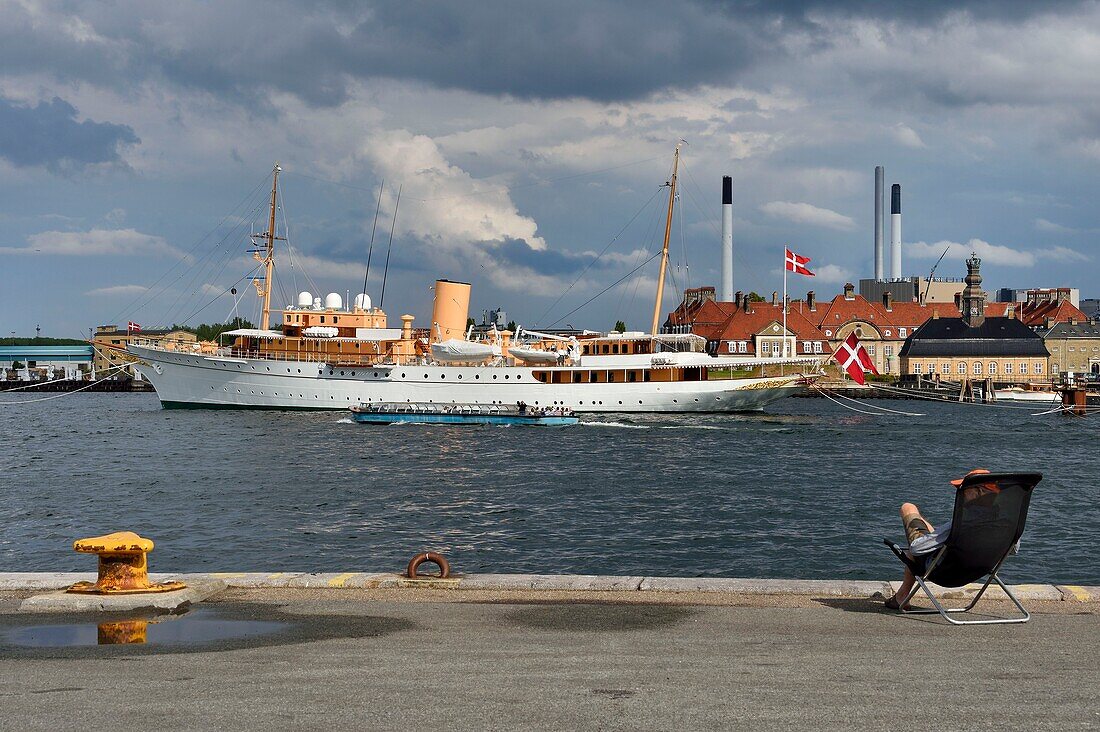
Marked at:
<point>753,297</point>
<point>17,365</point>
<point>211,331</point>
<point>620,326</point>
<point>470,321</point>
<point>511,326</point>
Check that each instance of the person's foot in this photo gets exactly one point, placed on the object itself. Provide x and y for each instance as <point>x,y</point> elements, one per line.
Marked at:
<point>893,604</point>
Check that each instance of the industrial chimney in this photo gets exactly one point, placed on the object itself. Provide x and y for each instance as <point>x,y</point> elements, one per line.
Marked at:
<point>879,274</point>
<point>895,231</point>
<point>727,239</point>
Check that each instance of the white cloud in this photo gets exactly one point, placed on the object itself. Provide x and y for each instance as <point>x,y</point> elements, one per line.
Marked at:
<point>96,242</point>
<point>805,213</point>
<point>992,253</point>
<point>1050,227</point>
<point>447,205</point>
<point>832,273</point>
<point>1064,254</point>
<point>907,136</point>
<point>118,290</point>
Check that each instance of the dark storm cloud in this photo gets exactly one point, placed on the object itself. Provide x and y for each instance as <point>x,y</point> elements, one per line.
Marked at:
<point>49,135</point>
<point>609,51</point>
<point>544,261</point>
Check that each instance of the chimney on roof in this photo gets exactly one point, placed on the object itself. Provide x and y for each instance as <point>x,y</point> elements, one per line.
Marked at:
<point>748,303</point>
<point>738,299</point>
<point>849,291</point>
<point>1010,311</point>
<point>935,314</point>
<point>775,298</point>
<point>811,300</point>
<point>887,301</point>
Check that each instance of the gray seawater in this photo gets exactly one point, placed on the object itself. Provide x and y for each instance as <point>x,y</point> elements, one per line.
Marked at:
<point>804,490</point>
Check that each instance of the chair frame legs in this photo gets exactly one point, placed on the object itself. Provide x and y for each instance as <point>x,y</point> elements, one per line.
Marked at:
<point>945,612</point>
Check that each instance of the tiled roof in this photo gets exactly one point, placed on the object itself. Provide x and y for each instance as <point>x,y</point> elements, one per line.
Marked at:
<point>994,337</point>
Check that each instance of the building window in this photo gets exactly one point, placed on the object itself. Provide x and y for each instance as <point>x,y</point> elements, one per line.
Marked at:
<point>901,332</point>
<point>962,367</point>
<point>945,368</point>
<point>1072,348</point>
<point>817,346</point>
<point>1039,367</point>
<point>870,349</point>
<point>918,368</point>
<point>992,367</point>
<point>1023,368</point>
<point>743,347</point>
<point>887,333</point>
<point>766,347</point>
<point>1008,369</point>
<point>888,351</point>
<point>807,346</point>
<point>978,368</point>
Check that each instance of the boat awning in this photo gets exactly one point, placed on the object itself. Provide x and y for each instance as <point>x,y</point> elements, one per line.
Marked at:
<point>726,363</point>
<point>254,333</point>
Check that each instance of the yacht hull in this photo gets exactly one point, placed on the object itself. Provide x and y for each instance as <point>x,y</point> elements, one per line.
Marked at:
<point>195,380</point>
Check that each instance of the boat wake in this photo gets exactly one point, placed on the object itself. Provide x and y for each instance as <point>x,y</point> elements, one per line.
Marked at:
<point>620,425</point>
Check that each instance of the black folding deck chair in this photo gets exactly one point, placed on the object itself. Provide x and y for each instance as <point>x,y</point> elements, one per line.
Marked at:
<point>984,531</point>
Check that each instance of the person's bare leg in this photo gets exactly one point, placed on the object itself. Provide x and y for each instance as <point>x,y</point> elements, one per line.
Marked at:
<point>913,523</point>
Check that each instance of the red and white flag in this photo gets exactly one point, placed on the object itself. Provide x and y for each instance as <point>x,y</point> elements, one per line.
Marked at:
<point>797,263</point>
<point>133,327</point>
<point>854,359</point>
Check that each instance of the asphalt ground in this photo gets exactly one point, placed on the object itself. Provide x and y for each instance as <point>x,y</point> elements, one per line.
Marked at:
<point>437,659</point>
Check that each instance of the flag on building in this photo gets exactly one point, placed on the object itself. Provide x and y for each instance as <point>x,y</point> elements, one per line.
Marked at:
<point>797,263</point>
<point>854,359</point>
<point>133,327</point>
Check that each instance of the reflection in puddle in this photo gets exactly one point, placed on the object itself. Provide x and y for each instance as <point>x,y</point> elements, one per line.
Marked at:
<point>198,626</point>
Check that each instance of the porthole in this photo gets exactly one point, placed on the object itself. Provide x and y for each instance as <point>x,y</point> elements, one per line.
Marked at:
<point>402,374</point>
<point>639,401</point>
<point>620,401</point>
<point>225,388</point>
<point>376,374</point>
<point>329,372</point>
<point>443,376</point>
<point>494,376</point>
<point>536,403</point>
<point>299,371</point>
<point>288,371</point>
<point>460,377</point>
<point>506,376</point>
<point>477,376</point>
<point>341,373</point>
<point>425,376</point>
<point>517,376</point>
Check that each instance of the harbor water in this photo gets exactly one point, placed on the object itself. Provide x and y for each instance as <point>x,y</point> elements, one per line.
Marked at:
<point>805,490</point>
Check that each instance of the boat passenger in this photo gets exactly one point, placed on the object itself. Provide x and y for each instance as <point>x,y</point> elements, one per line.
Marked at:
<point>924,539</point>
<point>521,407</point>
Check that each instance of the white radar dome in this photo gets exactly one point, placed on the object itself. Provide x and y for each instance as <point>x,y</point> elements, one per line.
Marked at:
<point>304,299</point>
<point>334,301</point>
<point>362,300</point>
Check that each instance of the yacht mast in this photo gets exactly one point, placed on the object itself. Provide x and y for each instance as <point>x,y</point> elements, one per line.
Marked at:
<point>668,232</point>
<point>268,259</point>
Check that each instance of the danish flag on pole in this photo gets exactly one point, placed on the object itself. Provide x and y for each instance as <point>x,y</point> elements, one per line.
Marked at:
<point>134,327</point>
<point>854,359</point>
<point>797,263</point>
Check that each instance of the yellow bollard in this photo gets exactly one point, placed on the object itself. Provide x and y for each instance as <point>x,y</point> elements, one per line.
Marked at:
<point>123,565</point>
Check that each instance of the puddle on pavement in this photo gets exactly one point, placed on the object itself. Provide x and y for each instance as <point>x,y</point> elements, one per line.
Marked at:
<point>190,628</point>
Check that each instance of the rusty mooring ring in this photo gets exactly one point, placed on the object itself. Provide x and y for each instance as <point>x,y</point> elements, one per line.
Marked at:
<point>435,558</point>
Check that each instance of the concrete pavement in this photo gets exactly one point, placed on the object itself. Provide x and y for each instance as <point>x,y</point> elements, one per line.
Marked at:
<point>423,658</point>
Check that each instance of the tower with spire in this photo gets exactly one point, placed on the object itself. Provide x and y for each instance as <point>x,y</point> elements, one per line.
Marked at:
<point>973,299</point>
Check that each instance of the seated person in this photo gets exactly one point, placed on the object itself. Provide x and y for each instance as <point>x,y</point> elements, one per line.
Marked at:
<point>924,539</point>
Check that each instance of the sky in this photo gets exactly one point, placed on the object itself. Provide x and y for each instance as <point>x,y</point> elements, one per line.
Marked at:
<point>530,142</point>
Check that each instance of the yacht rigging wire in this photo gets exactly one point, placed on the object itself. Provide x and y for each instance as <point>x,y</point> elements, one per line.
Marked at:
<point>389,247</point>
<point>373,229</point>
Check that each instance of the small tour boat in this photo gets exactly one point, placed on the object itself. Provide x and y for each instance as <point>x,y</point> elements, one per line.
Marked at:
<point>420,413</point>
<point>1020,394</point>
